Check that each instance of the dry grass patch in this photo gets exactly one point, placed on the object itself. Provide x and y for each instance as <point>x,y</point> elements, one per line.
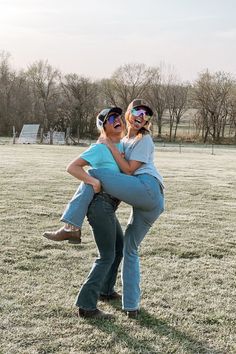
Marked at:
<point>188,259</point>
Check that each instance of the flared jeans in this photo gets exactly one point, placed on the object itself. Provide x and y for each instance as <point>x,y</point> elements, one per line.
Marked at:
<point>145,194</point>
<point>108,236</point>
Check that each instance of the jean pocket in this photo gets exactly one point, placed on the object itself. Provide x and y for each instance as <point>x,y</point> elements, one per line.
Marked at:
<point>151,189</point>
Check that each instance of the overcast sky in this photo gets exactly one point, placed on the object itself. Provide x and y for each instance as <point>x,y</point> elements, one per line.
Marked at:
<point>94,37</point>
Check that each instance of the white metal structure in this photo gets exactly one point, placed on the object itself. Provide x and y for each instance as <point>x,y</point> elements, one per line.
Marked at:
<point>28,134</point>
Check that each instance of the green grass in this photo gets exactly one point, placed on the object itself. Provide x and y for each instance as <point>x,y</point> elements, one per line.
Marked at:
<point>188,259</point>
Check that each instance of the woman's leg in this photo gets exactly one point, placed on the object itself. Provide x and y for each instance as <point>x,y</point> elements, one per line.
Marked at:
<point>77,208</point>
<point>139,224</point>
<point>110,280</point>
<point>140,191</point>
<point>73,216</point>
<point>101,216</point>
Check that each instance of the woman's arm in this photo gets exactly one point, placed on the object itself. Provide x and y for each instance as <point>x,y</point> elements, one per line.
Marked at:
<point>76,169</point>
<point>128,167</point>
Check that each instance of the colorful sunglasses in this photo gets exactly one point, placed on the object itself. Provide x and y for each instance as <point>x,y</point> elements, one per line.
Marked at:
<point>138,112</point>
<point>111,118</point>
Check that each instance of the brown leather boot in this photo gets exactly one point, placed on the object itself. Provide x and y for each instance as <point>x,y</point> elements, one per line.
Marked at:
<point>97,314</point>
<point>114,296</point>
<point>63,235</point>
<point>133,314</point>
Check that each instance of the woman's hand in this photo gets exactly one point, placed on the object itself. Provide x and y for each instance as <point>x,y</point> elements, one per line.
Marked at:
<point>105,140</point>
<point>75,168</point>
<point>96,184</point>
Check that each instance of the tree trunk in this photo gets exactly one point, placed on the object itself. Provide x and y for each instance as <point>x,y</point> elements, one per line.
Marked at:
<point>51,136</point>
<point>159,119</point>
<point>206,134</point>
<point>171,128</point>
<point>78,133</point>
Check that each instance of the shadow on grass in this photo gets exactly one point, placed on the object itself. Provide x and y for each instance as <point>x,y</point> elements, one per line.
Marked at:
<point>160,327</point>
<point>121,335</point>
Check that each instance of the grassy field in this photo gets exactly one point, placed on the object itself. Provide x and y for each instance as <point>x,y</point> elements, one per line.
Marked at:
<point>188,259</point>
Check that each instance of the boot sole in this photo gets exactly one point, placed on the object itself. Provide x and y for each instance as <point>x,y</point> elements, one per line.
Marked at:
<point>70,240</point>
<point>74,241</point>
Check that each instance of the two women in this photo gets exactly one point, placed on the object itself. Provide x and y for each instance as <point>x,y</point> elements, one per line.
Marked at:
<point>140,185</point>
<point>143,190</point>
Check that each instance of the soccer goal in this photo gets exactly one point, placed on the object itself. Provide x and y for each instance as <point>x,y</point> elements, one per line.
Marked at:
<point>28,134</point>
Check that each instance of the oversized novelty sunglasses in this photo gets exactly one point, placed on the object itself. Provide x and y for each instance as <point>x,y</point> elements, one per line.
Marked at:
<point>111,118</point>
<point>138,112</point>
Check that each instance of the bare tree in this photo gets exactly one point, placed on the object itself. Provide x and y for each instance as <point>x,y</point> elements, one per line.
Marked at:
<point>156,96</point>
<point>22,102</point>
<point>7,81</point>
<point>212,96</point>
<point>42,95</point>
<point>128,82</point>
<point>232,112</point>
<point>44,80</point>
<point>176,103</point>
<point>82,102</point>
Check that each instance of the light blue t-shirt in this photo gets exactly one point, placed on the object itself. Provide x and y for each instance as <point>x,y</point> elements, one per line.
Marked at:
<point>99,156</point>
<point>142,150</point>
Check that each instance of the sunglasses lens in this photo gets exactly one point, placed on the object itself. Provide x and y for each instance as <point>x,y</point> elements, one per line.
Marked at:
<point>112,118</point>
<point>140,113</point>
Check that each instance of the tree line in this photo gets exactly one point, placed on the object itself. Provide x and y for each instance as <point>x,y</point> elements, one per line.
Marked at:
<point>42,94</point>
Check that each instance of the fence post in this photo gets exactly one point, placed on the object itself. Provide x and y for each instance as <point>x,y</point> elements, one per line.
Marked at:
<point>41,136</point>
<point>212,149</point>
<point>51,136</point>
<point>180,148</point>
<point>67,135</point>
<point>14,134</point>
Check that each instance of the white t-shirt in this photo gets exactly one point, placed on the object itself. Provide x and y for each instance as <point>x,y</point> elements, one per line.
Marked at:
<point>142,150</point>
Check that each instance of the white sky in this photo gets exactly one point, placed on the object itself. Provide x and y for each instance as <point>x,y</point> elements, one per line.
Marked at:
<point>94,37</point>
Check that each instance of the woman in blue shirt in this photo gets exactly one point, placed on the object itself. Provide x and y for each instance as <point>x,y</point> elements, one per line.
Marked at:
<point>107,231</point>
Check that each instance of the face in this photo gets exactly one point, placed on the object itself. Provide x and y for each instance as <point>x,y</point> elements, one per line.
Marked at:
<point>113,124</point>
<point>138,117</point>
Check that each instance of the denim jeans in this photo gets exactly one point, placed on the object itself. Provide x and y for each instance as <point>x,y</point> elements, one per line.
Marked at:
<point>139,223</point>
<point>108,236</point>
<point>134,190</point>
<point>145,194</point>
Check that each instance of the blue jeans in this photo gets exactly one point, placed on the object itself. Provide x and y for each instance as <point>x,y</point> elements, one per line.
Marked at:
<point>145,194</point>
<point>108,236</point>
<point>139,223</point>
<point>134,190</point>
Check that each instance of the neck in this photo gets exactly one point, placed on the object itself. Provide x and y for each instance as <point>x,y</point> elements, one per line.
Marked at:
<point>115,138</point>
<point>131,133</point>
